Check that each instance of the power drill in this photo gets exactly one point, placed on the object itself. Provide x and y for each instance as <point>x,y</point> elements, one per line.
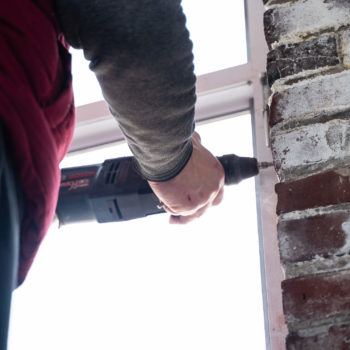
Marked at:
<point>115,191</point>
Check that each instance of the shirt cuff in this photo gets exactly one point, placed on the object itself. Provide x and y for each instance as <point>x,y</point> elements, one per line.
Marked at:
<point>174,169</point>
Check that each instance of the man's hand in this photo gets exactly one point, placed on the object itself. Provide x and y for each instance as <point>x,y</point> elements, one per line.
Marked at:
<point>198,186</point>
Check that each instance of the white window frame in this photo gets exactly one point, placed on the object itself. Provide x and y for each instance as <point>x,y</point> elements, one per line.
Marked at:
<point>229,91</point>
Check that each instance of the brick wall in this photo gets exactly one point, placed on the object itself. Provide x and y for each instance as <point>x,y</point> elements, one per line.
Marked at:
<point>308,70</point>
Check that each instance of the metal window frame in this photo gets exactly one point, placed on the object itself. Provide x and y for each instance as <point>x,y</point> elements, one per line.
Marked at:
<point>229,91</point>
<point>220,93</point>
<point>271,271</point>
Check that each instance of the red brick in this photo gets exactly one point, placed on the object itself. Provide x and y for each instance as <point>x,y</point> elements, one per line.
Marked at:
<point>321,235</point>
<point>337,338</point>
<point>316,297</point>
<point>314,191</point>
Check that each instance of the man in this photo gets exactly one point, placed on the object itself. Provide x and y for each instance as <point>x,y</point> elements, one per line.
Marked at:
<point>142,56</point>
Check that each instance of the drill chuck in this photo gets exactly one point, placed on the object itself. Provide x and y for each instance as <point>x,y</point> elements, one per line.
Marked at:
<point>238,168</point>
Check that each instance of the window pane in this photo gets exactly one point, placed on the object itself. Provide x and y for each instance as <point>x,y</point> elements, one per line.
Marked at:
<point>85,85</point>
<point>217,29</point>
<point>145,284</point>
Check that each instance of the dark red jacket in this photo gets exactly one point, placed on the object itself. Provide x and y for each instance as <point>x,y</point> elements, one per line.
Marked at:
<point>36,110</point>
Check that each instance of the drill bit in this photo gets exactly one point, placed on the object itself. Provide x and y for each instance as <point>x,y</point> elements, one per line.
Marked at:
<point>264,165</point>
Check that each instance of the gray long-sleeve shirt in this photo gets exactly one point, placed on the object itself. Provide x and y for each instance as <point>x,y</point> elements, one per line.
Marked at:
<point>142,57</point>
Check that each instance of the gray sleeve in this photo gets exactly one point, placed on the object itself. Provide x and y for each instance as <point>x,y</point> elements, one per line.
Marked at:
<point>142,57</point>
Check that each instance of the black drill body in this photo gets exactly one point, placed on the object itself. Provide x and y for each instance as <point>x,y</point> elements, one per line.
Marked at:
<point>115,191</point>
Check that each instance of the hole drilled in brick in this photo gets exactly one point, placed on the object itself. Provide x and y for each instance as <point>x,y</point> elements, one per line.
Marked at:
<point>303,296</point>
<point>347,340</point>
<point>340,254</point>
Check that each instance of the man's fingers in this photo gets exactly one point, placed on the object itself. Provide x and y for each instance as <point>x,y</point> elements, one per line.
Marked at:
<point>181,220</point>
<point>218,199</point>
<point>197,206</point>
<point>196,137</point>
<point>168,210</point>
<point>178,220</point>
<point>185,219</point>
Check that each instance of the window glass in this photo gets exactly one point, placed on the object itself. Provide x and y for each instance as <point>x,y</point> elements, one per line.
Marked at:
<point>217,29</point>
<point>145,284</point>
<point>85,85</point>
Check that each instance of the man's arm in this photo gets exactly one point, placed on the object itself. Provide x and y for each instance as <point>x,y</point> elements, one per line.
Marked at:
<point>142,56</point>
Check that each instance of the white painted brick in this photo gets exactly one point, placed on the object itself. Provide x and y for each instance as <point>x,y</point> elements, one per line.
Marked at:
<point>311,148</point>
<point>345,44</point>
<point>293,20</point>
<point>329,93</point>
<point>317,265</point>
